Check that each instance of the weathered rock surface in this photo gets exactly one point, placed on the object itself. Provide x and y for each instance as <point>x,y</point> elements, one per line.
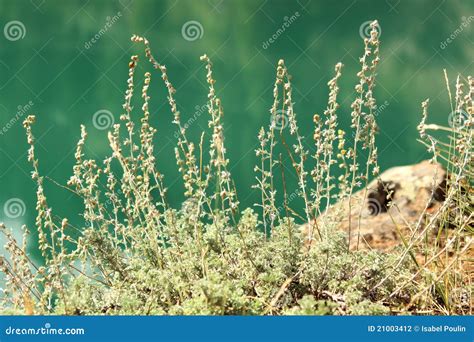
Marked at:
<point>396,203</point>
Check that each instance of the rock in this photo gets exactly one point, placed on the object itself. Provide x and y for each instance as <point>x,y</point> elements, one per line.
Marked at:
<point>396,203</point>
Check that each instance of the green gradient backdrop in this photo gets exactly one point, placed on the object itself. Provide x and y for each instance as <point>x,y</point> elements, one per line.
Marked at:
<point>67,83</point>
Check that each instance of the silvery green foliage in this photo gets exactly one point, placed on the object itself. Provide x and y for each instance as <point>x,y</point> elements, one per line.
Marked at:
<point>135,254</point>
<point>240,274</point>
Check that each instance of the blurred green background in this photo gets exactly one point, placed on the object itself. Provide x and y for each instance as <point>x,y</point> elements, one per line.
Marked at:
<point>50,66</point>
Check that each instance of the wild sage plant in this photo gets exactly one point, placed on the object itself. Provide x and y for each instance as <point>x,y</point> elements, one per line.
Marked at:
<point>136,254</point>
